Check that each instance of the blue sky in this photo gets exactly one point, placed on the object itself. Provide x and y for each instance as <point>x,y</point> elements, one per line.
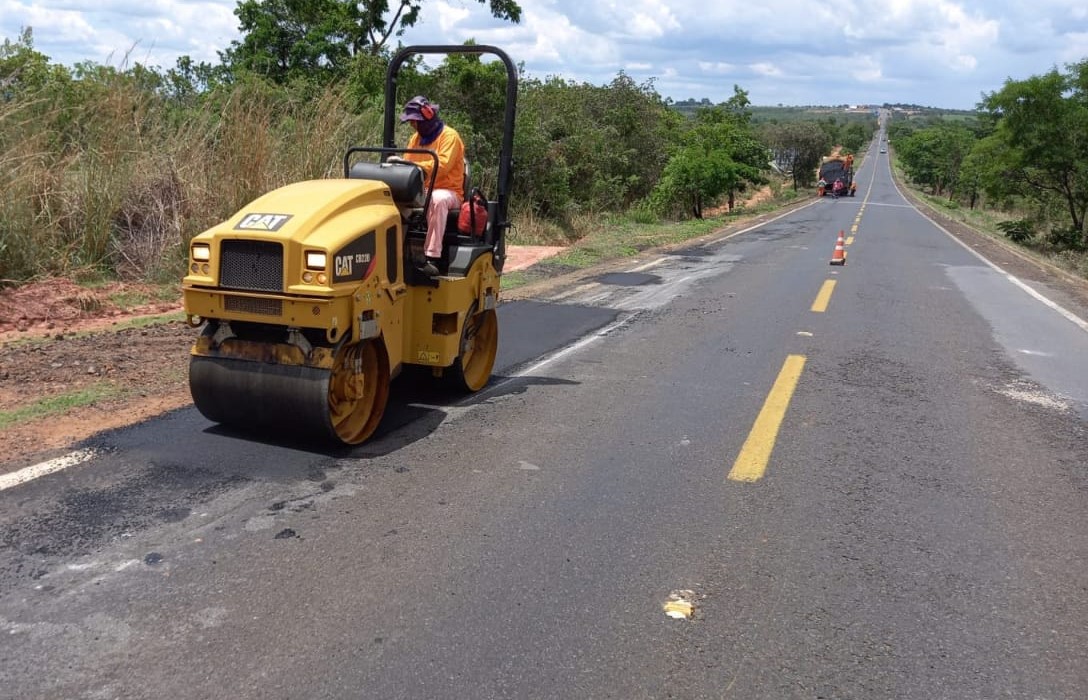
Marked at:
<point>942,53</point>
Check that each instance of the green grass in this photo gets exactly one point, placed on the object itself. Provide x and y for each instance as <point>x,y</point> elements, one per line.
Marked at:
<point>87,396</point>
<point>57,405</point>
<point>132,298</point>
<point>129,299</point>
<point>517,278</point>
<point>145,321</point>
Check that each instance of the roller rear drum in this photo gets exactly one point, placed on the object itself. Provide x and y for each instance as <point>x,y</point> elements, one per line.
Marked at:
<point>479,345</point>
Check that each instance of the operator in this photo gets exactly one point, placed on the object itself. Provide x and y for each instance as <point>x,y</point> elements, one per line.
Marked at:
<point>433,134</point>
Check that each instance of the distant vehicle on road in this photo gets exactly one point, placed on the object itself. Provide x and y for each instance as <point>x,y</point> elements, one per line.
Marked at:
<point>883,149</point>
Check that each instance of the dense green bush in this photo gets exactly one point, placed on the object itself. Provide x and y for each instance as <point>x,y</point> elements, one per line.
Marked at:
<point>1067,238</point>
<point>1018,231</point>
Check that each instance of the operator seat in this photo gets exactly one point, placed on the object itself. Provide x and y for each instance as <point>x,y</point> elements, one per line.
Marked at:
<point>405,182</point>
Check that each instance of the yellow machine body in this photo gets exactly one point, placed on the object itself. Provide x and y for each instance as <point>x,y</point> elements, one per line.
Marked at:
<point>357,228</point>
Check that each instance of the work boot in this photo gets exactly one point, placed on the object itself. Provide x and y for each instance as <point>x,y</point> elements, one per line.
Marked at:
<point>429,269</point>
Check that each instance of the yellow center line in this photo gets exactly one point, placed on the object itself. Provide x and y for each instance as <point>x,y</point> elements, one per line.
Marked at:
<point>823,297</point>
<point>849,240</point>
<point>752,461</point>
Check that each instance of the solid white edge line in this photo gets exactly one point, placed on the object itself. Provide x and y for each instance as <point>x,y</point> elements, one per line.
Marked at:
<point>34,471</point>
<point>1054,306</point>
<point>1069,315</point>
<point>556,356</point>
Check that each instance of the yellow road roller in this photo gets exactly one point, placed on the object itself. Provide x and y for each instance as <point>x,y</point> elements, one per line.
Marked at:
<point>310,300</point>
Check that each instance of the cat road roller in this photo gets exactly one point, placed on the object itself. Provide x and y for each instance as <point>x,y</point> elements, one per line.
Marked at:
<point>310,299</point>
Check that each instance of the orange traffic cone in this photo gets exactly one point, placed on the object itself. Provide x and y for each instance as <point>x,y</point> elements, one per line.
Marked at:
<point>839,256</point>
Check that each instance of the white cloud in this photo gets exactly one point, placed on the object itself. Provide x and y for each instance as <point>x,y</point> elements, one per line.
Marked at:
<point>765,69</point>
<point>866,70</point>
<point>648,19</point>
<point>1077,48</point>
<point>117,31</point>
<point>644,26</point>
<point>449,16</point>
<point>939,52</point>
<point>716,68</point>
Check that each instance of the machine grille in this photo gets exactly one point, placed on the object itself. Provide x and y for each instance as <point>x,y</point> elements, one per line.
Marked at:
<point>254,305</point>
<point>254,265</point>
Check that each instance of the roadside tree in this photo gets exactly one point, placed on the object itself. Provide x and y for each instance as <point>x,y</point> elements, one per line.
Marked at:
<point>1043,121</point>
<point>719,155</point>
<point>797,148</point>
<point>932,156</point>
<point>317,40</point>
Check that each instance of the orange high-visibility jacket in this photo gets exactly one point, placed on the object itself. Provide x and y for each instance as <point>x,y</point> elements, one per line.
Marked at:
<point>451,159</point>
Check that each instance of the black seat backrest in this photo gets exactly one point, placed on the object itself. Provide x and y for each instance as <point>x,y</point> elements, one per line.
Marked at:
<point>405,181</point>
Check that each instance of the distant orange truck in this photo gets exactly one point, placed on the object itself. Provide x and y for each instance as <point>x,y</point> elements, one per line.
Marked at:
<point>837,168</point>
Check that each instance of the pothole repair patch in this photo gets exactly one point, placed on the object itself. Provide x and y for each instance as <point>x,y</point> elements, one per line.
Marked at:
<point>680,605</point>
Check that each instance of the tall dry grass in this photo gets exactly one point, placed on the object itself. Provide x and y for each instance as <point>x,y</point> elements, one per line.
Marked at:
<point>25,187</point>
<point>109,179</point>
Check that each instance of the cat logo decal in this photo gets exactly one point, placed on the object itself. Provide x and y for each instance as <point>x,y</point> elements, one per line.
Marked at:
<point>262,222</point>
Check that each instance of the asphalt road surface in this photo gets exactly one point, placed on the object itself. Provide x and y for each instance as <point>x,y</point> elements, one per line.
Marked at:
<point>859,481</point>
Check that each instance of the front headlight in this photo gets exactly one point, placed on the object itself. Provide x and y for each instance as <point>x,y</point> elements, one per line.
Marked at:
<point>202,252</point>
<point>315,260</point>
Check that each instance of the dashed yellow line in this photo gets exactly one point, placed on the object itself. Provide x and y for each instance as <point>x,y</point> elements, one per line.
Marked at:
<point>756,453</point>
<point>823,297</point>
